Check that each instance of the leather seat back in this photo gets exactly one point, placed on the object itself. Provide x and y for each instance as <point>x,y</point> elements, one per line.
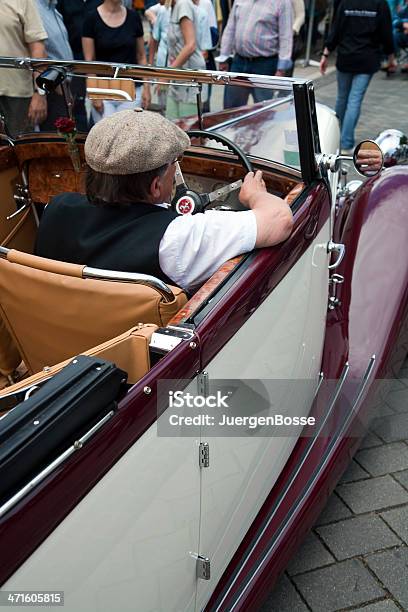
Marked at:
<point>53,313</point>
<point>129,352</point>
<point>9,355</point>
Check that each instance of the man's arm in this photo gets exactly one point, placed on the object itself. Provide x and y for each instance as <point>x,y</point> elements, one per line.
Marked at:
<point>141,59</point>
<point>37,111</point>
<point>285,25</point>
<point>274,219</point>
<point>333,38</point>
<point>195,246</point>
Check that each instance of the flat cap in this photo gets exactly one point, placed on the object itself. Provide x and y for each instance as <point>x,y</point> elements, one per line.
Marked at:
<point>133,141</point>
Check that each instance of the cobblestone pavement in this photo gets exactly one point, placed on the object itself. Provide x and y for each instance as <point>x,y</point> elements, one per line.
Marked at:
<point>356,556</point>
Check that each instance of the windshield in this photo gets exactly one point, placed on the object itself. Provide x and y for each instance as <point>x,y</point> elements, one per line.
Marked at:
<point>256,113</point>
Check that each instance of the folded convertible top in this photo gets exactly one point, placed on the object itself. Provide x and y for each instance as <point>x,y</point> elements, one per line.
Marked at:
<point>40,428</point>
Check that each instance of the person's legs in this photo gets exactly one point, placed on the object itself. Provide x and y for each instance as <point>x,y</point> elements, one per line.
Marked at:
<point>236,96</point>
<point>15,112</point>
<point>268,66</point>
<point>344,80</point>
<point>358,88</point>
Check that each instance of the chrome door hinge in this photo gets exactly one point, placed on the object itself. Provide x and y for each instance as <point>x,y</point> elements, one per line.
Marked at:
<point>204,455</point>
<point>203,384</point>
<point>334,281</point>
<point>203,568</point>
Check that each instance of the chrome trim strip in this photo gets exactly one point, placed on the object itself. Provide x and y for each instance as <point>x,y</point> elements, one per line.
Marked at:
<point>363,384</point>
<point>319,383</point>
<point>251,113</point>
<point>339,386</point>
<point>85,69</point>
<point>51,467</point>
<point>129,277</point>
<point>322,465</point>
<point>365,380</point>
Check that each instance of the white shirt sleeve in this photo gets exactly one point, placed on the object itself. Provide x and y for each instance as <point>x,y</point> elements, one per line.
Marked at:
<point>195,246</point>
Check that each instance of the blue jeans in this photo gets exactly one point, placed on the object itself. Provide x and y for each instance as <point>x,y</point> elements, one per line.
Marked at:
<point>350,93</point>
<point>238,96</point>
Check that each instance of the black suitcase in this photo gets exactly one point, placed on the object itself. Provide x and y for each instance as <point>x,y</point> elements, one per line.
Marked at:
<point>40,428</point>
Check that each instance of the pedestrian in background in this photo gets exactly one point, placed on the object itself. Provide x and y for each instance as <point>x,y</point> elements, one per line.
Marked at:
<point>207,38</point>
<point>158,48</point>
<point>361,32</point>
<point>183,52</point>
<point>74,13</point>
<point>298,7</point>
<point>22,34</point>
<point>260,33</point>
<point>158,40</point>
<point>113,33</point>
<point>58,48</point>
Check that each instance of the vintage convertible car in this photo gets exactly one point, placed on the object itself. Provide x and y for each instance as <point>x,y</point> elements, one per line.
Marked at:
<point>93,501</point>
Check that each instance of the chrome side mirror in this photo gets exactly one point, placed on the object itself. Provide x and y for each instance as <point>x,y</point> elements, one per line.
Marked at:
<point>368,158</point>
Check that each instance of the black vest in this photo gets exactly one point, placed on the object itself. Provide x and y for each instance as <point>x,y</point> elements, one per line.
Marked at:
<point>124,238</point>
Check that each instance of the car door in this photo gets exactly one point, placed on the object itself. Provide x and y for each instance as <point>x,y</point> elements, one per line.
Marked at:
<point>282,340</point>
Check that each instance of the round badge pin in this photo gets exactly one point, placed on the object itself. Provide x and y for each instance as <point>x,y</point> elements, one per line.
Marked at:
<point>185,205</point>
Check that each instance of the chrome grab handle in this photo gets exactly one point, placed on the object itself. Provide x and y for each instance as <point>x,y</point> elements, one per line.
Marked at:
<point>123,95</point>
<point>130,277</point>
<point>338,248</point>
<point>18,211</point>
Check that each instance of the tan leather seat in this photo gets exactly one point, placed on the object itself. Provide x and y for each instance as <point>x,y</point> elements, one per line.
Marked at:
<point>53,313</point>
<point>129,351</point>
<point>9,355</point>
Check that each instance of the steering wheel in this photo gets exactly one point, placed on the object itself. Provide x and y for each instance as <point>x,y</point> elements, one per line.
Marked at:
<point>186,201</point>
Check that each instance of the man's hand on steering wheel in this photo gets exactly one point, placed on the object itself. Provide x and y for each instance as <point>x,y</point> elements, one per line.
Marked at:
<point>187,201</point>
<point>253,185</point>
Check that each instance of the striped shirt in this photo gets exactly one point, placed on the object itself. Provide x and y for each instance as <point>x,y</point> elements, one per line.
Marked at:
<point>260,28</point>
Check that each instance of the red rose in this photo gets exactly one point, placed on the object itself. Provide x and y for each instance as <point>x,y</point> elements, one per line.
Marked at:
<point>65,125</point>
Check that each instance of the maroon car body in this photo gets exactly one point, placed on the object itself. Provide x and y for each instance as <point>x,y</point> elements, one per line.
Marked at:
<point>365,343</point>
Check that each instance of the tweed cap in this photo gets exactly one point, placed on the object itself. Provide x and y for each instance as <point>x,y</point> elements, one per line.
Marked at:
<point>133,141</point>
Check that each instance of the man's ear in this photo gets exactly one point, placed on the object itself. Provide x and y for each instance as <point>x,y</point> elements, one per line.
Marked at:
<point>155,188</point>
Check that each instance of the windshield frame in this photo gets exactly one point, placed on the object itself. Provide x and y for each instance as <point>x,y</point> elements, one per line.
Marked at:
<point>301,89</point>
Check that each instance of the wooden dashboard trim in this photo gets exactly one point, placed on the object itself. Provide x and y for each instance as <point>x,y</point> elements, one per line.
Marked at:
<point>204,292</point>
